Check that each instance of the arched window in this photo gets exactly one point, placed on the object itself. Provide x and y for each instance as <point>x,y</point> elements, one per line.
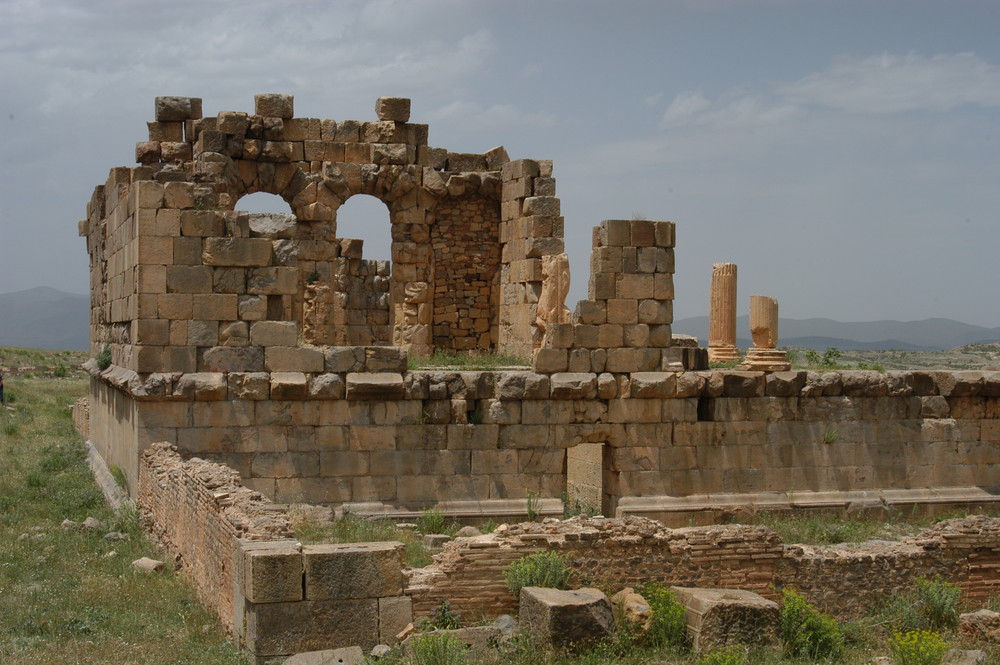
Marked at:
<point>366,218</point>
<point>263,202</point>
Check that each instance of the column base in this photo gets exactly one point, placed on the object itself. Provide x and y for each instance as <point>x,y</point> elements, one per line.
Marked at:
<point>766,360</point>
<point>723,354</point>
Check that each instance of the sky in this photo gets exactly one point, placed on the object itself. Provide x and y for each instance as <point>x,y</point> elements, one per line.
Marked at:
<point>845,154</point>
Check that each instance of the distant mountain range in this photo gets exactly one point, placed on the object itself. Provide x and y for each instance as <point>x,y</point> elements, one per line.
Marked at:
<point>45,318</point>
<point>927,335</point>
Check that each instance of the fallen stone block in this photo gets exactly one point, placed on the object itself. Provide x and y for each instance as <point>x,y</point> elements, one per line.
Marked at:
<point>147,565</point>
<point>633,609</point>
<point>718,617</point>
<point>566,619</point>
<point>345,656</point>
<point>964,657</point>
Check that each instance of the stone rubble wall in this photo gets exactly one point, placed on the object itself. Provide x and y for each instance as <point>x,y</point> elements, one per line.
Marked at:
<point>673,445</point>
<point>613,553</point>
<point>276,596</point>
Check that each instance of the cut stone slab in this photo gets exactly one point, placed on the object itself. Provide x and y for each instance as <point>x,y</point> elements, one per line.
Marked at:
<point>718,617</point>
<point>345,656</point>
<point>566,619</point>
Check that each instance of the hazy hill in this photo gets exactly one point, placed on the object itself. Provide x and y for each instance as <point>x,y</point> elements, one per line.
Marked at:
<point>926,335</point>
<point>45,318</point>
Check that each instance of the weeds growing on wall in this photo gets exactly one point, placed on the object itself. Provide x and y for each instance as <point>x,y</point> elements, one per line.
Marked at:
<point>545,569</point>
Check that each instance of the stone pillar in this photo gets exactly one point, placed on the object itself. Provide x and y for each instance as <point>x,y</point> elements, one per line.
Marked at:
<point>722,315</point>
<point>764,329</point>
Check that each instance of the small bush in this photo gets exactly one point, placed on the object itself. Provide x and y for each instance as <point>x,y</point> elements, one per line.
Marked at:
<point>544,569</point>
<point>431,521</point>
<point>917,647</point>
<point>104,358</point>
<point>445,617</point>
<point>936,601</point>
<point>734,654</point>
<point>669,626</point>
<point>437,649</point>
<point>807,632</point>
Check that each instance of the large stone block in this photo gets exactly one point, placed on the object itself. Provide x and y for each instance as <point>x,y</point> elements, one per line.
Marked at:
<point>274,105</point>
<point>273,574</point>
<point>375,386</point>
<point>566,619</point>
<point>718,617</point>
<point>353,570</point>
<point>282,629</point>
<point>237,252</point>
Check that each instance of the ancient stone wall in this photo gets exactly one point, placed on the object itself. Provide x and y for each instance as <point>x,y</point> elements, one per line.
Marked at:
<point>360,429</point>
<point>611,554</point>
<point>279,597</point>
<point>274,595</point>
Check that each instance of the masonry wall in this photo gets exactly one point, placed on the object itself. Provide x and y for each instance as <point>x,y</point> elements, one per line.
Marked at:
<point>279,597</point>
<point>675,446</point>
<point>276,596</point>
<point>612,554</point>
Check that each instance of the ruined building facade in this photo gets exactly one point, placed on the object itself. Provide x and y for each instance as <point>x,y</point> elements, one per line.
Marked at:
<point>269,343</point>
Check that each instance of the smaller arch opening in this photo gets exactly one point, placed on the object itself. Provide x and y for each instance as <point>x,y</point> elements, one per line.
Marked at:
<point>366,218</point>
<point>263,202</point>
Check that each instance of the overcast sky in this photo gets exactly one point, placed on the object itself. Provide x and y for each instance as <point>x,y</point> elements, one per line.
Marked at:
<point>845,154</point>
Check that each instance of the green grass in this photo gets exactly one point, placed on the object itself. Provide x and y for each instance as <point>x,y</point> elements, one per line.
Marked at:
<point>64,598</point>
<point>27,363</point>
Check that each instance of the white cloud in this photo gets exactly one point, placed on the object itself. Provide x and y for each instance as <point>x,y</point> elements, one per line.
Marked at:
<point>882,84</point>
<point>890,83</point>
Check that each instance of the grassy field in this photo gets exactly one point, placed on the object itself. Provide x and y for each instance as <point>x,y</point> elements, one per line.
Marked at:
<point>68,595</point>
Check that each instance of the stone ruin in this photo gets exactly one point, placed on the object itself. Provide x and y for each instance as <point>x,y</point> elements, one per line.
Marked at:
<point>270,344</point>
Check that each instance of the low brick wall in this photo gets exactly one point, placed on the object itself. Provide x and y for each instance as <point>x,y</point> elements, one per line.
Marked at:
<point>276,596</point>
<point>612,554</point>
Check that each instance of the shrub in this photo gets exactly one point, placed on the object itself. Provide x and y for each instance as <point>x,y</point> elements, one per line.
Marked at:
<point>936,602</point>
<point>544,569</point>
<point>734,654</point>
<point>917,647</point>
<point>669,626</point>
<point>431,521</point>
<point>807,632</point>
<point>437,649</point>
<point>445,617</point>
<point>104,358</point>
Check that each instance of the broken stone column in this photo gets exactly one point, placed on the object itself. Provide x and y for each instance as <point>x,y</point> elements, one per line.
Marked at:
<point>764,330</point>
<point>722,315</point>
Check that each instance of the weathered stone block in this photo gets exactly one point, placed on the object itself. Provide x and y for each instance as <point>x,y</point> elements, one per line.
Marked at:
<point>566,619</point>
<point>573,385</point>
<point>288,385</point>
<point>202,386</point>
<point>375,386</point>
<point>282,629</point>
<point>237,252</point>
<point>353,570</point>
<point>232,359</point>
<point>273,574</point>
<point>718,617</point>
<point>173,109</point>
<point>273,105</point>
